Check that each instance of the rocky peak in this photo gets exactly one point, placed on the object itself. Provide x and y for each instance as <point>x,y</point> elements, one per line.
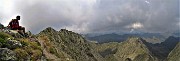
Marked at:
<point>72,44</point>
<point>48,30</point>
<point>134,49</point>
<point>135,40</point>
<point>62,35</point>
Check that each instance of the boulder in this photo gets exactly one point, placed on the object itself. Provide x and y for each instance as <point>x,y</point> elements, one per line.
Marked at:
<point>12,44</point>
<point>7,55</point>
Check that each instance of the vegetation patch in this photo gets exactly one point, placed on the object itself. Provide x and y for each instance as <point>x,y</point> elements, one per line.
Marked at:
<point>31,49</point>
<point>3,39</point>
<point>49,46</point>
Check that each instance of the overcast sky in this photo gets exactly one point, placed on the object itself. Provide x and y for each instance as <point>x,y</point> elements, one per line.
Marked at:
<point>89,16</point>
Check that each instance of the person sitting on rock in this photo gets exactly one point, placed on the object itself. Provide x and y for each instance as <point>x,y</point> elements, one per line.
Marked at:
<point>14,24</point>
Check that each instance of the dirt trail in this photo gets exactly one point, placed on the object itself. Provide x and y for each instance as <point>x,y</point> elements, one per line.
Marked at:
<point>46,53</point>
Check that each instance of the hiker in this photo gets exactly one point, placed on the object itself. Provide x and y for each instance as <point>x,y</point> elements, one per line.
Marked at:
<point>14,24</point>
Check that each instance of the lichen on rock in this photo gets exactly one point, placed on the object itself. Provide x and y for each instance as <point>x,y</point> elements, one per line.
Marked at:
<point>7,55</point>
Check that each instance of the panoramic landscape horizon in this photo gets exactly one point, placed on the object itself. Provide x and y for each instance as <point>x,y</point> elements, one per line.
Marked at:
<point>89,30</point>
<point>94,16</point>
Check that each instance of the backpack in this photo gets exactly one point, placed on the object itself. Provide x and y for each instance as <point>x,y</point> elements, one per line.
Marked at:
<point>14,24</point>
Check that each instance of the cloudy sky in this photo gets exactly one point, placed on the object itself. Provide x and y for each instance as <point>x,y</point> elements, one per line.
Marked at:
<point>93,16</point>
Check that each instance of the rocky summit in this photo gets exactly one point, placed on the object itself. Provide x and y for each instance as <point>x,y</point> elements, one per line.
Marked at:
<point>132,49</point>
<point>64,45</point>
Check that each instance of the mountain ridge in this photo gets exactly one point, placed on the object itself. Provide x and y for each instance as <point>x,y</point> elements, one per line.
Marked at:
<point>64,45</point>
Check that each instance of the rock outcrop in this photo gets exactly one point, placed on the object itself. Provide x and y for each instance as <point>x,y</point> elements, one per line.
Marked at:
<point>7,55</point>
<point>67,45</point>
<point>15,48</point>
<point>13,44</point>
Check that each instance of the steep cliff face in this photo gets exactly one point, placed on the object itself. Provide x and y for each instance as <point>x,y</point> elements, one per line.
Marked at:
<point>174,54</point>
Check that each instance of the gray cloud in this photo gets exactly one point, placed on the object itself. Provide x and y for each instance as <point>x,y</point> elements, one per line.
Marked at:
<point>87,16</point>
<point>156,16</point>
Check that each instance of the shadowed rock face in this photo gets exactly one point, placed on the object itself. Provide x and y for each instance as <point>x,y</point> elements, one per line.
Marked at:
<point>161,50</point>
<point>7,55</point>
<point>174,54</point>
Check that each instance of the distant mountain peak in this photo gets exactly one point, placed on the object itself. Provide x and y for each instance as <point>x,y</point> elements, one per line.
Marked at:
<point>133,49</point>
<point>135,39</point>
<point>49,29</point>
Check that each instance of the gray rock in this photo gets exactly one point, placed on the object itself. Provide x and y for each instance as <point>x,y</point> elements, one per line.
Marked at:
<point>12,44</point>
<point>7,55</point>
<point>13,33</point>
